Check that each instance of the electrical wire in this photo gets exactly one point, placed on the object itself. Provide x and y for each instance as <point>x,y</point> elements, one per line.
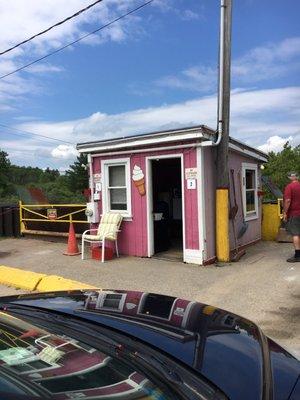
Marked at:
<point>51,27</point>
<point>79,39</point>
<point>33,134</point>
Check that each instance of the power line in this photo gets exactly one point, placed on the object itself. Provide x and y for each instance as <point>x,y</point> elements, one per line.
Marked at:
<point>43,138</point>
<point>79,39</point>
<point>32,134</point>
<point>51,27</point>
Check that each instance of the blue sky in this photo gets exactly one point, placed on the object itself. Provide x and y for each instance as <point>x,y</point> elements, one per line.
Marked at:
<point>156,69</point>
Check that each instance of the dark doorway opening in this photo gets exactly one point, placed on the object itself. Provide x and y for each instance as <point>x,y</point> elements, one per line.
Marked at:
<point>167,208</point>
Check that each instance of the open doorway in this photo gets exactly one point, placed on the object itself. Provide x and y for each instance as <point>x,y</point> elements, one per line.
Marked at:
<point>166,205</point>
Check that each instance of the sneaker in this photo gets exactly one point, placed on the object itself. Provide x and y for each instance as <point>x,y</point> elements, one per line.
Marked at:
<point>293,259</point>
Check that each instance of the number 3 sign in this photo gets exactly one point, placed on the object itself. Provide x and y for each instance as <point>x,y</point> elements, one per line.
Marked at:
<point>191,183</point>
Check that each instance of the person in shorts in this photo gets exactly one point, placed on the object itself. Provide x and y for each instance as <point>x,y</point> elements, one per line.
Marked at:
<point>291,212</point>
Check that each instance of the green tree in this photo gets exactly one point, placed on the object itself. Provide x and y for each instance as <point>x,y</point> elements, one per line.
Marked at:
<point>280,164</point>
<point>15,180</point>
<point>49,175</point>
<point>77,174</point>
<point>25,175</point>
<point>4,169</point>
<point>6,188</point>
<point>58,192</point>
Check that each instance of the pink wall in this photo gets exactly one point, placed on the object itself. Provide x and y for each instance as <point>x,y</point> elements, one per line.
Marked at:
<point>133,237</point>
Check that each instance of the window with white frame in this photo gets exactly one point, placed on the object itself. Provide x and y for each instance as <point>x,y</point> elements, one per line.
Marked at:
<point>116,186</point>
<point>249,184</point>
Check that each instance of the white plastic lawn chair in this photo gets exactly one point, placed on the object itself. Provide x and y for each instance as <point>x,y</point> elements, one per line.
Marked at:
<point>108,229</point>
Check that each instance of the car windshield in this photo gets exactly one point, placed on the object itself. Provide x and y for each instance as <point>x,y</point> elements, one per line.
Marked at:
<point>35,362</point>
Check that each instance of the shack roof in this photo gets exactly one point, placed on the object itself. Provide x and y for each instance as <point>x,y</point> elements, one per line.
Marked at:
<point>194,134</point>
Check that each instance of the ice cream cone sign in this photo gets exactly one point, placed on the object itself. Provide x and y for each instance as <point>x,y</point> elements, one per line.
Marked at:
<point>139,180</point>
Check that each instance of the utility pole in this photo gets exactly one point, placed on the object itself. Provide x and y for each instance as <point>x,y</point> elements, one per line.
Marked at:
<point>222,189</point>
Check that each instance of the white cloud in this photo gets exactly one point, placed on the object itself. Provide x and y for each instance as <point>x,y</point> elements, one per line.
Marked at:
<point>21,19</point>
<point>268,62</point>
<point>252,113</point>
<point>27,151</point>
<point>256,116</point>
<point>201,79</point>
<point>36,152</point>
<point>33,16</point>
<point>190,15</point>
<point>187,14</point>
<point>15,89</point>
<point>42,68</point>
<point>275,143</point>
<point>259,64</point>
<point>64,151</point>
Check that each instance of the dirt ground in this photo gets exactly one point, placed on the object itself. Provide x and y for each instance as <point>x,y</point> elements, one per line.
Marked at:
<point>262,286</point>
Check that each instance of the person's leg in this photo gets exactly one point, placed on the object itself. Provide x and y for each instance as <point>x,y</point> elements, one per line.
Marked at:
<point>296,242</point>
<point>293,227</point>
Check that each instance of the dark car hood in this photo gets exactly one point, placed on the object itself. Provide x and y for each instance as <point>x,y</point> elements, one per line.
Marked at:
<point>227,349</point>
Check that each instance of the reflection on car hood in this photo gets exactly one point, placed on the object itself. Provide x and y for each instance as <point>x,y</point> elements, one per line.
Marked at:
<point>227,349</point>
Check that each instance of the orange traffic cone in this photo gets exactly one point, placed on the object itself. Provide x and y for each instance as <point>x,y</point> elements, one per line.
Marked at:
<point>72,249</point>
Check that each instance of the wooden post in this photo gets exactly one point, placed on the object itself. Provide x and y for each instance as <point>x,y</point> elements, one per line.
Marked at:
<point>222,189</point>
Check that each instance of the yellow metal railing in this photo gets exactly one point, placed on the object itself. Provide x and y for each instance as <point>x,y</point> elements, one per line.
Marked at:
<point>51,215</point>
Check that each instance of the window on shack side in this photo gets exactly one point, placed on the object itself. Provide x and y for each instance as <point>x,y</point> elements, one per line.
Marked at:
<point>116,186</point>
<point>249,185</point>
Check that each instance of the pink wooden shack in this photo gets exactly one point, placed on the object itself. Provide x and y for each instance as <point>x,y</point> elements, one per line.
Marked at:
<point>163,183</point>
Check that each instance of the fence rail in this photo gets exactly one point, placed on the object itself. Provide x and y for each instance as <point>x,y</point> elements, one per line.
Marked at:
<point>52,219</point>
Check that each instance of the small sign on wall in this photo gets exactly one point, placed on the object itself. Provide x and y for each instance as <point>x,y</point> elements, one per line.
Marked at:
<point>138,178</point>
<point>97,178</point>
<point>191,184</point>
<point>190,173</point>
<point>97,196</point>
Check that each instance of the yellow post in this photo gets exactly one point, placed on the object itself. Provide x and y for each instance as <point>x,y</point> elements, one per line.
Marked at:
<point>22,227</point>
<point>222,225</point>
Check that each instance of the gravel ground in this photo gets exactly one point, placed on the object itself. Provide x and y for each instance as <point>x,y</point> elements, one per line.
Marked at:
<point>262,286</point>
